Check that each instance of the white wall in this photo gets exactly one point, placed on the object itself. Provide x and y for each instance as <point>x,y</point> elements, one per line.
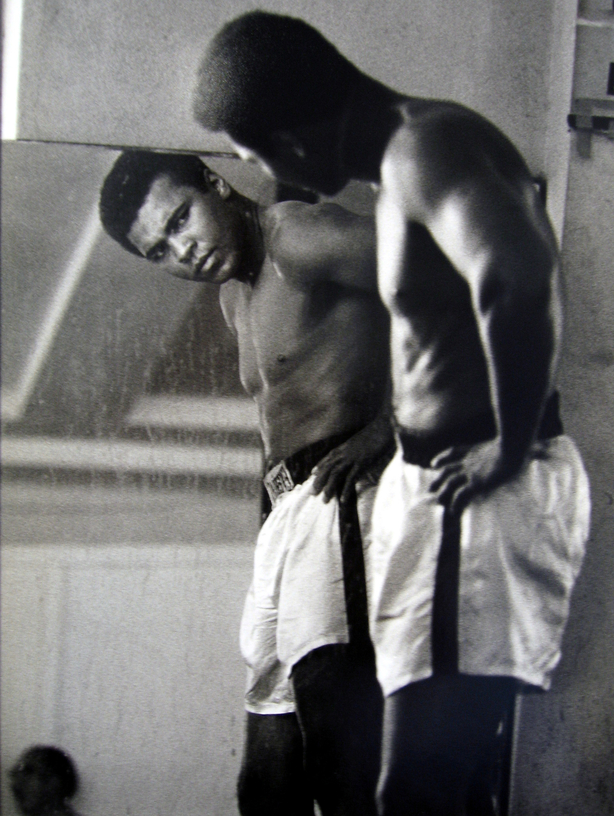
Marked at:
<point>122,73</point>
<point>566,746</point>
<point>120,620</point>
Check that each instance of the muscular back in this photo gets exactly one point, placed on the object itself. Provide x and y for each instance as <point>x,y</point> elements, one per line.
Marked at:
<point>461,233</point>
<point>312,333</point>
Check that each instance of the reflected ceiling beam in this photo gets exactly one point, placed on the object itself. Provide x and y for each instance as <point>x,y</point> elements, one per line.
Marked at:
<point>14,402</point>
<point>123,456</point>
<point>11,65</point>
<point>195,413</point>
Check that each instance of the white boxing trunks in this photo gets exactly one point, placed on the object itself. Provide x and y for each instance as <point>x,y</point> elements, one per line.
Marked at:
<point>521,549</point>
<point>296,602</point>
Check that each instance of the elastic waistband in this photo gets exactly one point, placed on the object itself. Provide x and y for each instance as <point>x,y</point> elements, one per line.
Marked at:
<point>420,449</point>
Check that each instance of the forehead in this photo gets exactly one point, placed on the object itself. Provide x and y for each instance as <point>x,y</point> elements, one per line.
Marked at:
<point>163,198</point>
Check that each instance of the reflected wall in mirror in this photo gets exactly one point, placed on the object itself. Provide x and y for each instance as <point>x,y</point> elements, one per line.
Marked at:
<point>125,428</point>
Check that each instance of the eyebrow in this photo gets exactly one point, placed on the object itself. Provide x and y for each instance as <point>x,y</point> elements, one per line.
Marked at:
<point>168,226</point>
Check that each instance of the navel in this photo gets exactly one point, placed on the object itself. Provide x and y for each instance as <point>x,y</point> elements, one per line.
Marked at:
<point>281,358</point>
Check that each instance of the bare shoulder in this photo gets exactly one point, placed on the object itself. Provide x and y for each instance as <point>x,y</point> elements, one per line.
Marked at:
<point>441,147</point>
<point>324,216</point>
<point>315,235</point>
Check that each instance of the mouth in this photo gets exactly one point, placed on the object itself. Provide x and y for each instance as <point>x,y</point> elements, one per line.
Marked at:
<point>204,265</point>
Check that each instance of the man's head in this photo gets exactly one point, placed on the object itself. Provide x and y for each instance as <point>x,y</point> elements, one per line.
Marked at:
<point>42,779</point>
<point>173,210</point>
<point>280,91</point>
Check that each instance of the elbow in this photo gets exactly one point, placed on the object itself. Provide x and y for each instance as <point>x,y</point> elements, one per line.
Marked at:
<point>526,281</point>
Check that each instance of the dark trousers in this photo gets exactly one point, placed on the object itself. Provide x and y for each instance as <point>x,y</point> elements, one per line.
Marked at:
<point>445,747</point>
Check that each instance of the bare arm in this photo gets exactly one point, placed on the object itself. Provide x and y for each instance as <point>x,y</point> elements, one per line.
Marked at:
<point>367,452</point>
<point>324,243</point>
<point>498,239</point>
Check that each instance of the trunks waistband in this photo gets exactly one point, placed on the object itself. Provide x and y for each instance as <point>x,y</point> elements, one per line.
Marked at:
<point>296,468</point>
<point>421,449</point>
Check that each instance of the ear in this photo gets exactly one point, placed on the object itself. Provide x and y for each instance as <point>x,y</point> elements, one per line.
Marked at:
<point>286,142</point>
<point>220,185</point>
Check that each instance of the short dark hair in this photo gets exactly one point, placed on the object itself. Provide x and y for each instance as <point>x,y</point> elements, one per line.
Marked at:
<point>55,762</point>
<point>130,179</point>
<point>267,72</point>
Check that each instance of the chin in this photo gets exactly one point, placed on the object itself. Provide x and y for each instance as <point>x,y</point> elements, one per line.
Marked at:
<point>227,271</point>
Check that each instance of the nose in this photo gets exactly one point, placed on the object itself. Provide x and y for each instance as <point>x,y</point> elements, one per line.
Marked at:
<point>183,247</point>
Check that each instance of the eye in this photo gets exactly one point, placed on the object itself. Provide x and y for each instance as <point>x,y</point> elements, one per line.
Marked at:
<point>157,253</point>
<point>180,218</point>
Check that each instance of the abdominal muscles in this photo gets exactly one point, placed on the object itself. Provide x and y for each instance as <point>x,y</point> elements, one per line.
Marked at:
<point>319,368</point>
<point>439,373</point>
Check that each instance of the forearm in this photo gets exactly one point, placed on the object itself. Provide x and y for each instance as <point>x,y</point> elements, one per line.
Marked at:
<point>521,339</point>
<point>363,456</point>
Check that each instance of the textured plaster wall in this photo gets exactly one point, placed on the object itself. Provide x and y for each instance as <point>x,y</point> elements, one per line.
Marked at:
<point>566,743</point>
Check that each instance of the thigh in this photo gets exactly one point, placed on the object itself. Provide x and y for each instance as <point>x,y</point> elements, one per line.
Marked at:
<point>272,780</point>
<point>441,746</point>
<point>339,705</point>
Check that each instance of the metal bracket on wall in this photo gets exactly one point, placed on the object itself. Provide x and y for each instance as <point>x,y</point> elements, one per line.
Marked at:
<point>587,124</point>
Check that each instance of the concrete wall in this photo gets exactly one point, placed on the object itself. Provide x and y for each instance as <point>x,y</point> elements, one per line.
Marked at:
<point>566,740</point>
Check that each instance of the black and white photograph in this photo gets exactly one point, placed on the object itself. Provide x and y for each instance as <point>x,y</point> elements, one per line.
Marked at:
<point>307,385</point>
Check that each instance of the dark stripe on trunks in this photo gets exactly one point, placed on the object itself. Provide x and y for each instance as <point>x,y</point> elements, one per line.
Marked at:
<point>300,465</point>
<point>420,450</point>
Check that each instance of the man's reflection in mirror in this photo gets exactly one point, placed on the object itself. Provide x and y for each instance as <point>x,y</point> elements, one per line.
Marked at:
<point>298,289</point>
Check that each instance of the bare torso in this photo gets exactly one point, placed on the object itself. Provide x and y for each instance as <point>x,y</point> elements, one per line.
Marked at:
<point>313,354</point>
<point>440,371</point>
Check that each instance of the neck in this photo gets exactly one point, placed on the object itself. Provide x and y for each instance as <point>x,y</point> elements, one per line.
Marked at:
<point>254,241</point>
<point>371,119</point>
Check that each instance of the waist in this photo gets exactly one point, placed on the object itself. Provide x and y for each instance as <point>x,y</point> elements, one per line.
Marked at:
<point>420,449</point>
<point>280,477</point>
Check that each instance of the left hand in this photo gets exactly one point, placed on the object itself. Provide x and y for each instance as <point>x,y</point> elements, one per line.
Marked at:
<point>346,464</point>
<point>465,472</point>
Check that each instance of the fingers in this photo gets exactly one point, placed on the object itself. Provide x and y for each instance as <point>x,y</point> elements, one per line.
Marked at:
<point>444,475</point>
<point>329,478</point>
<point>448,456</point>
<point>321,475</point>
<point>460,498</point>
<point>339,479</point>
<point>349,485</point>
<point>447,490</point>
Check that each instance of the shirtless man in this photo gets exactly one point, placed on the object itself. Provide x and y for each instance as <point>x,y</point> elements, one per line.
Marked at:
<point>298,288</point>
<point>481,518</point>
